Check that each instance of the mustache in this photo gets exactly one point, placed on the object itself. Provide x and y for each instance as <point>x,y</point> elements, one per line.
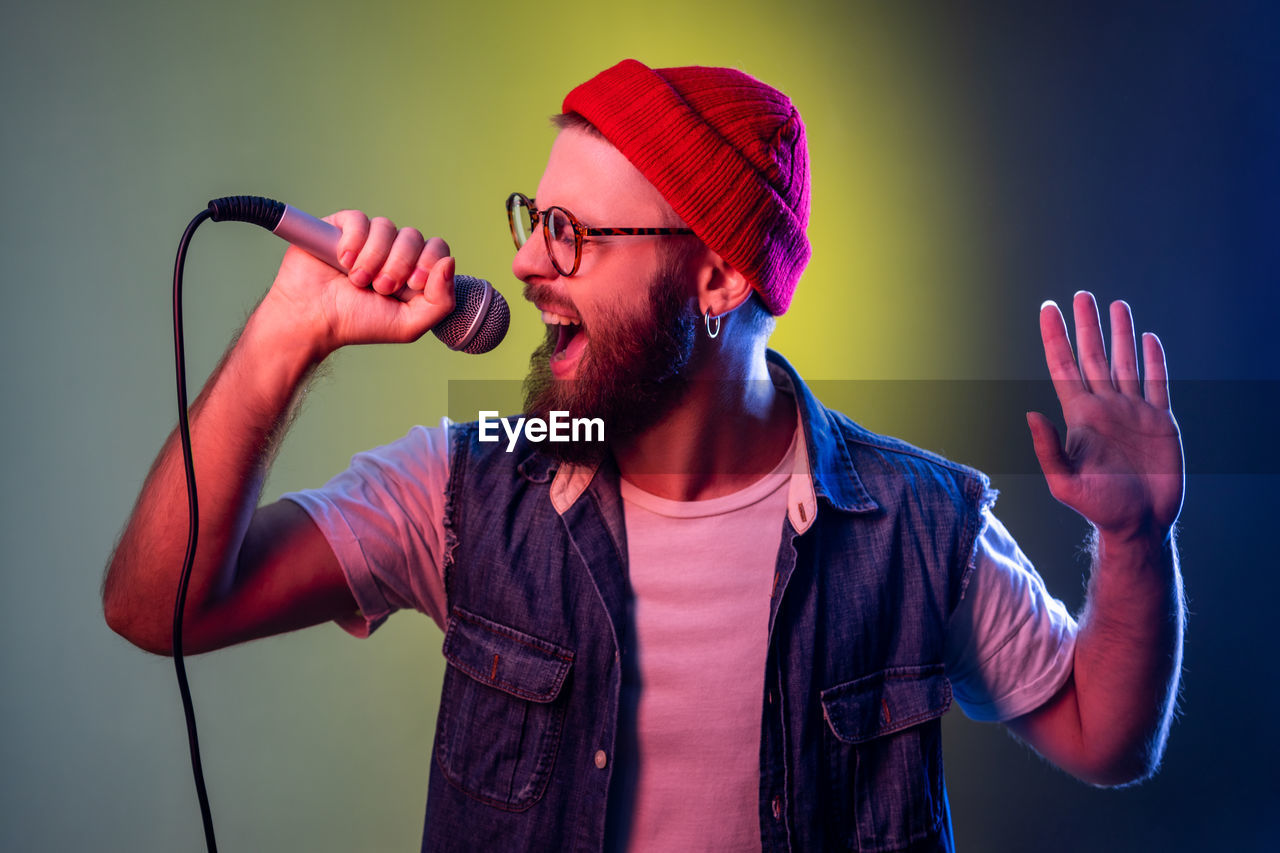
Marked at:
<point>547,297</point>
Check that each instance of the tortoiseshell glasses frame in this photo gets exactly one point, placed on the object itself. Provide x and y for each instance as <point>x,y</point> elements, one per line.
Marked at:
<point>563,232</point>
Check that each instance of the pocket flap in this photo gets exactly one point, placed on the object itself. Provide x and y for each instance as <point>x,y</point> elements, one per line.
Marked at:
<point>886,701</point>
<point>502,657</point>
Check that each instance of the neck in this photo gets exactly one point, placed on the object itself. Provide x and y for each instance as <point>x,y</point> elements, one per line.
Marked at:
<point>729,429</point>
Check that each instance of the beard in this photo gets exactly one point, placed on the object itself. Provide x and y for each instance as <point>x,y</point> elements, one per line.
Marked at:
<point>630,376</point>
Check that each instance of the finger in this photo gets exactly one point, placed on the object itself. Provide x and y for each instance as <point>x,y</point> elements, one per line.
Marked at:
<point>420,315</point>
<point>1048,447</point>
<point>400,260</point>
<point>1089,346</point>
<point>1057,353</point>
<point>1156,384</point>
<point>355,230</point>
<point>1124,351</point>
<point>432,253</point>
<point>373,254</point>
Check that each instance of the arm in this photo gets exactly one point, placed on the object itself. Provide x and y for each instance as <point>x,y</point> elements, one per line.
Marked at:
<point>263,571</point>
<point>1120,468</point>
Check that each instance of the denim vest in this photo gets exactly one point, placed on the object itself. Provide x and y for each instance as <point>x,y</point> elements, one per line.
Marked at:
<point>873,557</point>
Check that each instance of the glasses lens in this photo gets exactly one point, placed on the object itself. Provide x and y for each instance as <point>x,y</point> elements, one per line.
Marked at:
<point>521,219</point>
<point>562,239</point>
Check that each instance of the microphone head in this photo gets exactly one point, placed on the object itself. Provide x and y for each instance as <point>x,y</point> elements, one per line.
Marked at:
<point>479,320</point>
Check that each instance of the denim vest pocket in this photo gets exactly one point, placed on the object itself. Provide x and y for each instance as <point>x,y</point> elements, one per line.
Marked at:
<point>500,712</point>
<point>886,755</point>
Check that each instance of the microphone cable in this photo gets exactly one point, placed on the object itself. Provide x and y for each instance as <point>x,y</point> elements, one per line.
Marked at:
<point>179,606</point>
<point>259,211</point>
<point>476,325</point>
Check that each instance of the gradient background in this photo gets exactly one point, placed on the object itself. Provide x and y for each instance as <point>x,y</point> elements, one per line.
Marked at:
<point>969,161</point>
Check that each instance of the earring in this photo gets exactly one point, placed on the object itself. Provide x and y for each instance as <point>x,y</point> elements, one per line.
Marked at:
<point>707,318</point>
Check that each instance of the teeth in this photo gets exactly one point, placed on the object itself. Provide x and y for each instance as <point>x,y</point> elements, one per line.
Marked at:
<point>553,319</point>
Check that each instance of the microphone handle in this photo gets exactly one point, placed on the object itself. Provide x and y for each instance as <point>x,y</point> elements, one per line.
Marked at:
<point>317,237</point>
<point>477,324</point>
<point>320,240</point>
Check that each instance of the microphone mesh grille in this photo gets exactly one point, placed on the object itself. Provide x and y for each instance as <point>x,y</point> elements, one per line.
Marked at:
<point>469,296</point>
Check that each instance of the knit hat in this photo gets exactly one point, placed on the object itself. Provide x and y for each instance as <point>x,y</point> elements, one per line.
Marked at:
<point>726,151</point>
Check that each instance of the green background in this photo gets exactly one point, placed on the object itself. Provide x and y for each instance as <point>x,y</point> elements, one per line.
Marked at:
<point>967,164</point>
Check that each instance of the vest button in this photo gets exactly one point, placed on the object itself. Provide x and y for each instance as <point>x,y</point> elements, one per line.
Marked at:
<point>601,759</point>
<point>777,808</point>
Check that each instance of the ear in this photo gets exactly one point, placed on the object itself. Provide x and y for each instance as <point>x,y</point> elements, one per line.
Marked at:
<point>721,288</point>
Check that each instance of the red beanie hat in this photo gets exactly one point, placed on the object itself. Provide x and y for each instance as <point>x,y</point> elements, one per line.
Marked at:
<point>725,150</point>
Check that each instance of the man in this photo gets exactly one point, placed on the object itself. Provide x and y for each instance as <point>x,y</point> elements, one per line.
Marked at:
<point>737,624</point>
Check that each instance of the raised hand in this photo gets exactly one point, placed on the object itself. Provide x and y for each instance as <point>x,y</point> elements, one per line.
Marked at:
<point>1121,464</point>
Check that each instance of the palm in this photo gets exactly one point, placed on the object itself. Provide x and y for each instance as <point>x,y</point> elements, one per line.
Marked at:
<point>1121,464</point>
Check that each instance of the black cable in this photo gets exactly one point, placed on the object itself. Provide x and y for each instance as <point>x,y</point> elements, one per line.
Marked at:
<point>184,431</point>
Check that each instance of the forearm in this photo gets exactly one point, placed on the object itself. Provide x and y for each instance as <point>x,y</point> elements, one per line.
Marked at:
<point>235,423</point>
<point>1129,655</point>
<point>1121,468</point>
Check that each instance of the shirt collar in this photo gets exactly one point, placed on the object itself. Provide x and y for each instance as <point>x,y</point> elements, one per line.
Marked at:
<point>823,466</point>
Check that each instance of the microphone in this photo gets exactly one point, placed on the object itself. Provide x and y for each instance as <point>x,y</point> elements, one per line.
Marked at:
<point>478,322</point>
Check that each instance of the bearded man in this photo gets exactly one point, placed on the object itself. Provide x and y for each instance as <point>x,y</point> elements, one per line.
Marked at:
<point>737,622</point>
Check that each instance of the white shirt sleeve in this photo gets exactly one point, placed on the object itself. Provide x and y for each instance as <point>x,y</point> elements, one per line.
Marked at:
<point>1010,644</point>
<point>384,519</point>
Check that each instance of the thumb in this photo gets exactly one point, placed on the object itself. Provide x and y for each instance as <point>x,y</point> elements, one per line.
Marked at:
<point>1048,447</point>
<point>436,301</point>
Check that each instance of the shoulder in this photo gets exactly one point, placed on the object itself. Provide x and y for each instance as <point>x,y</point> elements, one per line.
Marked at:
<point>896,449</point>
<point>838,446</point>
<point>884,459</point>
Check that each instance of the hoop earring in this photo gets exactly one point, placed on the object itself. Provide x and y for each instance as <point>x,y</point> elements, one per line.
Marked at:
<point>706,319</point>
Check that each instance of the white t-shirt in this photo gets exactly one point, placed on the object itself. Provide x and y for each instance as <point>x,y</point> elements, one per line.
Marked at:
<point>701,620</point>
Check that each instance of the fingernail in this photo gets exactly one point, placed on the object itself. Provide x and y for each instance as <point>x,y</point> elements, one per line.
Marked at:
<point>1047,303</point>
<point>360,278</point>
<point>419,278</point>
<point>348,258</point>
<point>384,284</point>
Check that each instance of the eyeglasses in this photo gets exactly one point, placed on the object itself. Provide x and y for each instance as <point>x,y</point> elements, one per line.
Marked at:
<point>563,232</point>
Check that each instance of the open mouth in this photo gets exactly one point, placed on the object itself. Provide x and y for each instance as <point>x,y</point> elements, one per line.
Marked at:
<point>567,333</point>
<point>570,340</point>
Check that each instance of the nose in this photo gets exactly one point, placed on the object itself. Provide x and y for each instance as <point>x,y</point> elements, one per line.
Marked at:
<point>532,260</point>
